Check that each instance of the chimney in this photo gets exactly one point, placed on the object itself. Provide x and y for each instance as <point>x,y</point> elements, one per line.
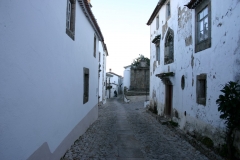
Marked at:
<point>110,70</point>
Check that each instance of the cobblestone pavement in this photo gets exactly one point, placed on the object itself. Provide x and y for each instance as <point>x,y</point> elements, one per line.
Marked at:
<point>127,131</point>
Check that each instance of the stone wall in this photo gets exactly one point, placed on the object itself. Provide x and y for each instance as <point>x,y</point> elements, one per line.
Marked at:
<point>139,79</point>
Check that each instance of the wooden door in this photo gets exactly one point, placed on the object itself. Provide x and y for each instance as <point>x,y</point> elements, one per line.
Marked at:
<point>168,100</point>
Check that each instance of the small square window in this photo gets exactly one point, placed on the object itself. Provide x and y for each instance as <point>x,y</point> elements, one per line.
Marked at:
<point>70,20</point>
<point>202,26</point>
<point>168,10</point>
<point>158,52</point>
<point>94,47</point>
<point>85,85</point>
<point>99,57</point>
<point>157,22</point>
<point>201,89</point>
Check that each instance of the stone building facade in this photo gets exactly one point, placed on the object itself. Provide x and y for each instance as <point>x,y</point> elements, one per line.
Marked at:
<point>139,79</point>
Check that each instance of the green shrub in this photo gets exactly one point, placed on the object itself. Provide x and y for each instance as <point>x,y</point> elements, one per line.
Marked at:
<point>136,61</point>
<point>229,106</point>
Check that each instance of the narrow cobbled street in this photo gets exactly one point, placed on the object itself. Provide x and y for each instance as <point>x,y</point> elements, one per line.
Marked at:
<point>127,131</point>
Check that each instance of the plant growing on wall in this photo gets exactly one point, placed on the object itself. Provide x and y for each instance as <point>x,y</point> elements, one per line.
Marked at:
<point>229,106</point>
<point>136,62</point>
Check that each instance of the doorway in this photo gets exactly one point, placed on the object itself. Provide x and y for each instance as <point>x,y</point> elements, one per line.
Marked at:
<point>168,100</point>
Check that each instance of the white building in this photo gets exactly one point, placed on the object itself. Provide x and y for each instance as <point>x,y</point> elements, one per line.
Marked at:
<point>127,76</point>
<point>48,76</point>
<point>108,86</point>
<point>103,53</point>
<point>194,52</point>
<point>115,81</point>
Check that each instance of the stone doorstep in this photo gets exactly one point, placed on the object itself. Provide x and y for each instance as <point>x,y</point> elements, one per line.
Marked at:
<point>163,121</point>
<point>160,119</point>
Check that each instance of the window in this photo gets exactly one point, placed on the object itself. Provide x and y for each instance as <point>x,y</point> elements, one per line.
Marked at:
<point>169,47</point>
<point>156,41</point>
<point>99,57</point>
<point>85,85</point>
<point>158,52</point>
<point>201,89</point>
<point>168,10</point>
<point>202,26</point>
<point>70,21</point>
<point>183,82</point>
<point>157,22</point>
<point>94,51</point>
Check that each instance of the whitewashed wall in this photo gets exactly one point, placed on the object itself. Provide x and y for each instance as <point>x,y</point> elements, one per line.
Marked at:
<point>108,92</point>
<point>104,95</point>
<point>101,80</point>
<point>41,76</point>
<point>115,82</point>
<point>220,63</point>
<point>102,74</point>
<point>126,77</point>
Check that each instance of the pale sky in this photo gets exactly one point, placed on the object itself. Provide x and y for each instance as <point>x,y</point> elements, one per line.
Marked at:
<point>123,25</point>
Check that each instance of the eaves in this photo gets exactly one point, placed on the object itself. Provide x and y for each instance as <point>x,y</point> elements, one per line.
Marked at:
<point>193,3</point>
<point>109,75</point>
<point>88,13</point>
<point>127,66</point>
<point>105,48</point>
<point>156,10</point>
<point>114,74</point>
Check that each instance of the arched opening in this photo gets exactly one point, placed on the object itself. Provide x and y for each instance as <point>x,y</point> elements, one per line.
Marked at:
<point>169,47</point>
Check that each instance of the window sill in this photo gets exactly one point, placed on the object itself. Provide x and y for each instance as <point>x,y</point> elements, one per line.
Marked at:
<point>70,34</point>
<point>165,63</point>
<point>167,18</point>
<point>201,101</point>
<point>157,63</point>
<point>203,45</point>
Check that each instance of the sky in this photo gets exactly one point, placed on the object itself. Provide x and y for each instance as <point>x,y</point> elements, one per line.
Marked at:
<point>123,25</point>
